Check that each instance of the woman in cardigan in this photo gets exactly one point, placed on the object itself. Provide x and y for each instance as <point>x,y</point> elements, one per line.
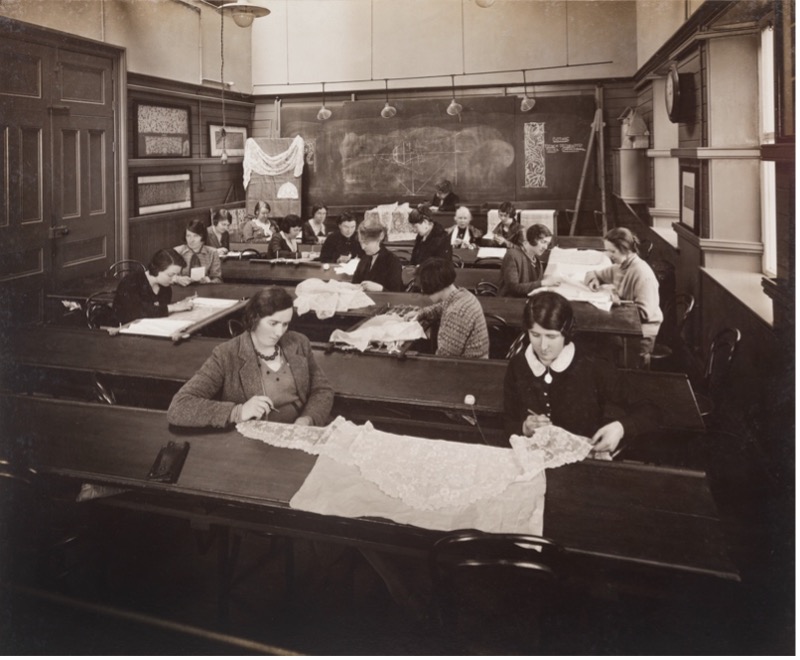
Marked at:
<point>286,242</point>
<point>148,293</point>
<point>432,240</point>
<point>553,382</point>
<point>259,229</point>
<point>267,372</point>
<point>522,269</point>
<point>379,269</point>
<point>218,233</point>
<point>198,255</point>
<point>633,279</point>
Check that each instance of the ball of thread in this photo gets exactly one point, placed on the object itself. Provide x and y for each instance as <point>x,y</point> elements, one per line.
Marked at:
<point>469,400</point>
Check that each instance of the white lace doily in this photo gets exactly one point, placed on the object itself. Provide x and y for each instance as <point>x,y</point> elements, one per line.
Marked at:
<point>388,330</point>
<point>549,447</point>
<point>326,298</point>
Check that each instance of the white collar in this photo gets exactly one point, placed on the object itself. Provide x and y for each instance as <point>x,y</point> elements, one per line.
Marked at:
<point>562,361</point>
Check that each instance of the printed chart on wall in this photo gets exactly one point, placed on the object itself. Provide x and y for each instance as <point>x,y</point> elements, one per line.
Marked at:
<point>553,139</point>
<point>359,155</point>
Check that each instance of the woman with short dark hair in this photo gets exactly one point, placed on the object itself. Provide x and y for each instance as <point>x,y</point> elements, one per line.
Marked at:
<point>267,372</point>
<point>343,245</point>
<point>148,293</point>
<point>523,266</point>
<point>432,240</point>
<point>507,231</point>
<point>379,269</point>
<point>552,381</point>
<point>462,325</point>
<point>202,261</point>
<point>219,237</point>
<point>286,243</point>
<point>259,228</point>
<point>314,231</point>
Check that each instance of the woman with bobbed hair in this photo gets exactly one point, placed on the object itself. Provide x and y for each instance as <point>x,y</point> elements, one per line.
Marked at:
<point>314,231</point>
<point>634,280</point>
<point>285,243</point>
<point>379,269</point>
<point>522,270</point>
<point>267,372</point>
<point>508,231</point>
<point>148,293</point>
<point>552,381</point>
<point>259,229</point>
<point>198,254</point>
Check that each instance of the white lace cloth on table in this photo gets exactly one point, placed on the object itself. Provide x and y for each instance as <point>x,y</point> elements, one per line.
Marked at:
<point>549,447</point>
<point>389,330</point>
<point>258,161</point>
<point>348,268</point>
<point>326,298</point>
<point>573,288</point>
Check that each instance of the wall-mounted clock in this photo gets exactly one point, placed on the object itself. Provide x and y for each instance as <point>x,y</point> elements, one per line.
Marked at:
<point>677,93</point>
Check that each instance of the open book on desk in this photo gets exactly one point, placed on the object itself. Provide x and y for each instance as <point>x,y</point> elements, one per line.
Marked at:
<point>574,289</point>
<point>180,323</point>
<point>575,263</point>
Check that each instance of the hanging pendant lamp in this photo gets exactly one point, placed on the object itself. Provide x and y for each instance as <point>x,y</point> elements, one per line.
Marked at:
<point>527,102</point>
<point>388,111</point>
<point>455,108</point>
<point>323,113</point>
<point>243,12</point>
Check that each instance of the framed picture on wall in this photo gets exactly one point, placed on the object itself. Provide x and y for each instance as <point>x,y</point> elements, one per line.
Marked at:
<point>234,140</point>
<point>162,131</point>
<point>690,197</point>
<point>157,193</point>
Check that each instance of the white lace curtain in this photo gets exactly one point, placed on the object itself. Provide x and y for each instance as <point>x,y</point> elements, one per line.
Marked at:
<point>256,160</point>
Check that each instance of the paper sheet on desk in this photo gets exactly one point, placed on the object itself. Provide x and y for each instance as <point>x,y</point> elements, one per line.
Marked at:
<point>161,327</point>
<point>197,273</point>
<point>326,298</point>
<point>348,268</point>
<point>574,289</point>
<point>491,253</point>
<point>574,262</point>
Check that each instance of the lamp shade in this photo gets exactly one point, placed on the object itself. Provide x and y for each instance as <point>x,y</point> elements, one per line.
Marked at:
<point>454,108</point>
<point>388,111</point>
<point>243,12</point>
<point>484,3</point>
<point>324,113</point>
<point>527,103</point>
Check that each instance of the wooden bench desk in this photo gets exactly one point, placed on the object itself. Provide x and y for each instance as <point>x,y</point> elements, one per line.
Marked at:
<point>631,516</point>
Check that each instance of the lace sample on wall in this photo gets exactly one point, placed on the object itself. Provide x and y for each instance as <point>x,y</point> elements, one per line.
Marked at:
<point>257,161</point>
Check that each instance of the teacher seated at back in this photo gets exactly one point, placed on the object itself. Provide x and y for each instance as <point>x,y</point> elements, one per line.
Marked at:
<point>444,199</point>
<point>634,280</point>
<point>267,372</point>
<point>553,382</point>
<point>379,269</point>
<point>202,261</point>
<point>148,293</point>
<point>463,234</point>
<point>286,243</point>
<point>522,270</point>
<point>432,240</point>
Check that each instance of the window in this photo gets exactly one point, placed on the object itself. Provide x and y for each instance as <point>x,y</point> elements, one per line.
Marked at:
<point>766,71</point>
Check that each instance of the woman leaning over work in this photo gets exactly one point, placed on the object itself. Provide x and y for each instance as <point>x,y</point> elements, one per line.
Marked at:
<point>259,229</point>
<point>552,381</point>
<point>267,372</point>
<point>523,266</point>
<point>198,255</point>
<point>379,269</point>
<point>507,231</point>
<point>148,293</point>
<point>634,280</point>
<point>286,242</point>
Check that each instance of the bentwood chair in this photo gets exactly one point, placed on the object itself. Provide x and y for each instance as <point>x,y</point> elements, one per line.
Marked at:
<point>670,335</point>
<point>120,269</point>
<point>484,288</point>
<point>99,311</point>
<point>496,590</point>
<point>721,352</point>
<point>501,336</point>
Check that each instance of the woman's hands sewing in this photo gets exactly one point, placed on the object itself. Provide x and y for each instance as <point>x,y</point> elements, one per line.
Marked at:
<point>533,422</point>
<point>256,407</point>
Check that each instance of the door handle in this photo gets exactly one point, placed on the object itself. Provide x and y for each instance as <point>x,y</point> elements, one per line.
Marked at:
<point>60,230</point>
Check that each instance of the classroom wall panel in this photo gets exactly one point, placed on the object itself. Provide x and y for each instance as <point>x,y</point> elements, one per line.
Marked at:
<point>656,21</point>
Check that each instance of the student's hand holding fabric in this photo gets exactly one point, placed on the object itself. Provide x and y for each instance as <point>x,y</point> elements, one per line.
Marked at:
<point>181,306</point>
<point>533,422</point>
<point>371,286</point>
<point>412,315</point>
<point>607,438</point>
<point>591,281</point>
<point>343,259</point>
<point>551,280</point>
<point>256,407</point>
<point>221,251</point>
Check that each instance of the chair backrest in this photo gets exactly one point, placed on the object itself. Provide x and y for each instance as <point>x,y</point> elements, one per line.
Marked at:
<point>120,269</point>
<point>250,253</point>
<point>471,569</point>
<point>720,355</point>
<point>501,336</point>
<point>458,262</point>
<point>489,262</point>
<point>676,313</point>
<point>484,288</point>
<point>235,327</point>
<point>519,344</point>
<point>99,312</point>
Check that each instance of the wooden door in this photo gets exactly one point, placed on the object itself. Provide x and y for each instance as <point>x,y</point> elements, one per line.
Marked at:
<point>82,166</point>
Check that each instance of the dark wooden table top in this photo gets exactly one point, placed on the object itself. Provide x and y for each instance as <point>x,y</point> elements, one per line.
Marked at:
<point>634,514</point>
<point>416,381</point>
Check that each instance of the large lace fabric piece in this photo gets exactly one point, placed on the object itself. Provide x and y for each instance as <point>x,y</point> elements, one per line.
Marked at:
<point>326,298</point>
<point>258,161</point>
<point>425,474</point>
<point>388,331</point>
<point>549,447</point>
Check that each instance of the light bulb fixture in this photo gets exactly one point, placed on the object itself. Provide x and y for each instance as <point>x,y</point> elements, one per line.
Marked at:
<point>455,107</point>
<point>243,12</point>
<point>484,3</point>
<point>527,102</point>
<point>388,111</point>
<point>323,113</point>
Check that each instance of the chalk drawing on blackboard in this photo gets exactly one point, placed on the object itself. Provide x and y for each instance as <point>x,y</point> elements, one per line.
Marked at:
<point>535,166</point>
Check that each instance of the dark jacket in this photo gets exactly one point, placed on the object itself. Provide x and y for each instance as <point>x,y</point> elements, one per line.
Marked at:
<point>278,247</point>
<point>135,298</point>
<point>214,242</point>
<point>309,237</point>
<point>387,270</point>
<point>436,244</point>
<point>232,375</point>
<point>577,397</point>
<point>519,274</point>
<point>449,202</point>
<point>336,246</point>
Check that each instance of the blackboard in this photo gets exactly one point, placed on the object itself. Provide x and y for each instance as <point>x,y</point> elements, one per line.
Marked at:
<point>358,157</point>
